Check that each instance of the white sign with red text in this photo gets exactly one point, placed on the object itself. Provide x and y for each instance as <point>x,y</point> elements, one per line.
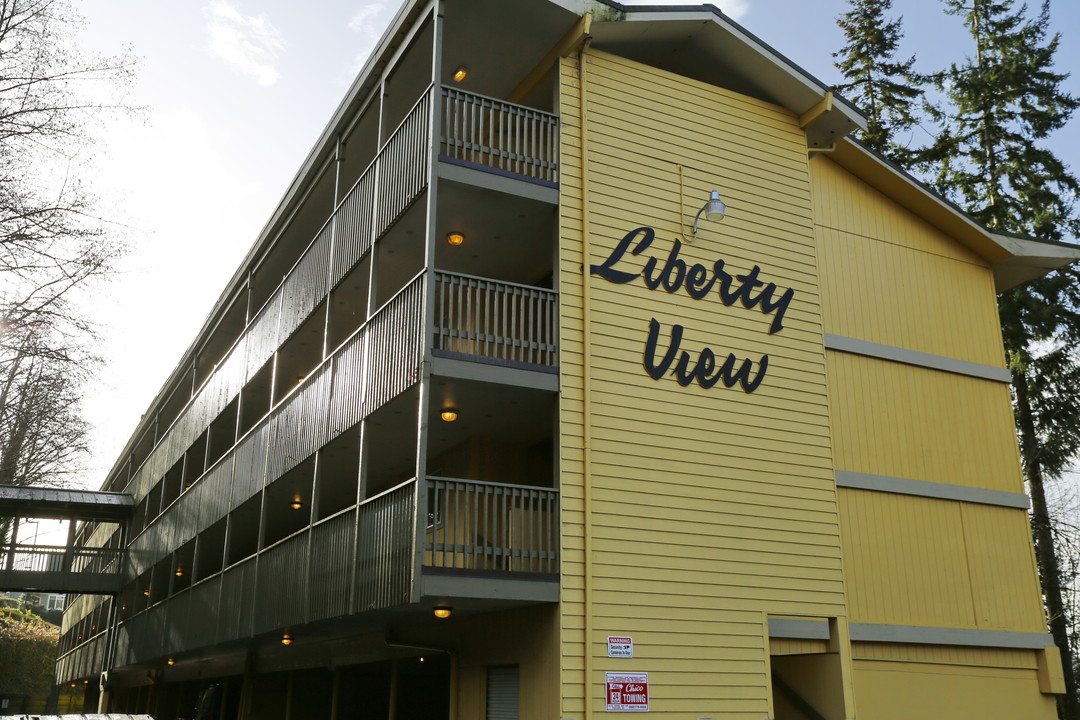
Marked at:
<point>626,691</point>
<point>621,647</point>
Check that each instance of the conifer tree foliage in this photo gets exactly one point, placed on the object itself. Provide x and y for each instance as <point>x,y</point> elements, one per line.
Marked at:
<point>887,88</point>
<point>1001,103</point>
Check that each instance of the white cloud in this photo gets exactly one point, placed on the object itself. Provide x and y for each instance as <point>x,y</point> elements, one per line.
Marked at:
<point>734,9</point>
<point>369,22</point>
<point>250,43</point>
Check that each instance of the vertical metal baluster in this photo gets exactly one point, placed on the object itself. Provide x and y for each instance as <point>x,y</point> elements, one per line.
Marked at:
<point>489,313</point>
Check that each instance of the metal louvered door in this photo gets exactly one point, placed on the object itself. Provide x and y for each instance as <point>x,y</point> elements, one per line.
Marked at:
<point>503,693</point>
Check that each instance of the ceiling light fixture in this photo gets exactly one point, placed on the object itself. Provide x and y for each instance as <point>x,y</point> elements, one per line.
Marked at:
<point>179,572</point>
<point>455,238</point>
<point>460,74</point>
<point>443,611</point>
<point>449,414</point>
<point>296,503</point>
<point>714,209</point>
<point>171,661</point>
<point>286,639</point>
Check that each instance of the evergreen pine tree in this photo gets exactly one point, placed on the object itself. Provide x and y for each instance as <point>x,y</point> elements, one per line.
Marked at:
<point>1000,104</point>
<point>885,87</point>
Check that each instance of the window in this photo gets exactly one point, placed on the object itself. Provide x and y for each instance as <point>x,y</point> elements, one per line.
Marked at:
<point>503,692</point>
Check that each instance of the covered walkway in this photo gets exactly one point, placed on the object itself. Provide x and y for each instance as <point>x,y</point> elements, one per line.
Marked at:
<point>60,568</point>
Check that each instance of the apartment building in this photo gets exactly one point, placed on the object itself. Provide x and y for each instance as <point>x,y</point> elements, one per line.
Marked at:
<point>586,366</point>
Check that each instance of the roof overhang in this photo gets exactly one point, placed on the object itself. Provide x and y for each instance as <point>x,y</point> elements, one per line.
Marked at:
<point>58,504</point>
<point>1014,260</point>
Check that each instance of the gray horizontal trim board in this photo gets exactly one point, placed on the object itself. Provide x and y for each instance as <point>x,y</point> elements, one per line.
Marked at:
<point>540,379</point>
<point>913,634</point>
<point>496,588</point>
<point>60,582</point>
<point>914,357</point>
<point>925,488</point>
<point>499,180</point>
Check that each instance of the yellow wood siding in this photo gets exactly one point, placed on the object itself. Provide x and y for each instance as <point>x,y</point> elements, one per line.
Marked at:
<point>889,277</point>
<point>924,561</point>
<point>702,509</point>
<point>911,422</point>
<point>902,691</point>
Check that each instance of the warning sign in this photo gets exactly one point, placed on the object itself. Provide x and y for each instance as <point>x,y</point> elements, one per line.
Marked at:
<point>620,647</point>
<point>627,692</point>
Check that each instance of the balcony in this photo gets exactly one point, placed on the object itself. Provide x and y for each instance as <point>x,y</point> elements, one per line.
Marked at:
<point>495,322</point>
<point>364,560</point>
<point>474,525</point>
<point>498,135</point>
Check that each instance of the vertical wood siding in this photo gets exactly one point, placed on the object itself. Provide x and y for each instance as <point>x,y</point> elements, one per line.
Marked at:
<point>709,507</point>
<point>889,277</point>
<point>911,422</point>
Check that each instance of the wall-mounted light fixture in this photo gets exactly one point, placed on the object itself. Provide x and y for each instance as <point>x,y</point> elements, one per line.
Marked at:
<point>296,503</point>
<point>714,209</point>
<point>443,611</point>
<point>286,639</point>
<point>449,414</point>
<point>179,572</point>
<point>455,238</point>
<point>146,593</point>
<point>171,661</point>
<point>460,74</point>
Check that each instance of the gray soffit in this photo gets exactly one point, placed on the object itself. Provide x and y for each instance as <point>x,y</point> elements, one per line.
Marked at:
<point>39,502</point>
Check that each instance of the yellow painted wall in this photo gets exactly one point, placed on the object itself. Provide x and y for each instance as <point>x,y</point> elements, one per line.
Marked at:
<point>888,277</point>
<point>699,509</point>
<point>902,691</point>
<point>923,561</point>
<point>527,638</point>
<point>906,421</point>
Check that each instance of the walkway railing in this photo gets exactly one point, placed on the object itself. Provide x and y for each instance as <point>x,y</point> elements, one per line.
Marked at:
<point>385,547</point>
<point>502,135</point>
<point>59,568</point>
<point>505,321</point>
<point>477,525</point>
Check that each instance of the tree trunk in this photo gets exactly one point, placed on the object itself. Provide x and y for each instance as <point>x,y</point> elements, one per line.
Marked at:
<point>1045,551</point>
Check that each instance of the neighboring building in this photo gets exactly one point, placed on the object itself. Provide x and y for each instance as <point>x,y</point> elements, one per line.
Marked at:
<point>776,453</point>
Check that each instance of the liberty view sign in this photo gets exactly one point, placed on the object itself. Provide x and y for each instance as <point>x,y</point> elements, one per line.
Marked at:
<point>698,282</point>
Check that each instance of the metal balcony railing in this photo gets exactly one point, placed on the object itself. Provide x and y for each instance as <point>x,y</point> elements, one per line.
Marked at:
<point>502,135</point>
<point>473,525</point>
<point>500,320</point>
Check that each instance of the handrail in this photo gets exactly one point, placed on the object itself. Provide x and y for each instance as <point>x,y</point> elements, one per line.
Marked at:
<point>278,405</point>
<point>447,90</point>
<point>387,492</point>
<point>509,322</point>
<point>507,283</point>
<point>503,135</point>
<point>477,525</point>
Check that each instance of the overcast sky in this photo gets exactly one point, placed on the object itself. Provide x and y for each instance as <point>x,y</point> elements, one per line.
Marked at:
<point>235,94</point>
